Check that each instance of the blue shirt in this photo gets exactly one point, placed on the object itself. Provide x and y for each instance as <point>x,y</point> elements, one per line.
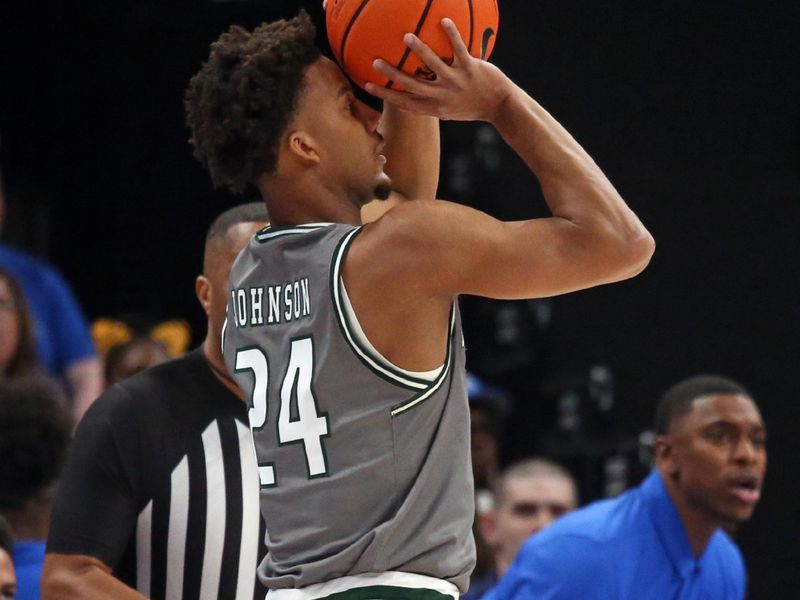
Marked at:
<point>28,558</point>
<point>62,334</point>
<point>633,546</point>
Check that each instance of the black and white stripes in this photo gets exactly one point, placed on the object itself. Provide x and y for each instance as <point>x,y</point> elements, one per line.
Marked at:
<point>223,471</point>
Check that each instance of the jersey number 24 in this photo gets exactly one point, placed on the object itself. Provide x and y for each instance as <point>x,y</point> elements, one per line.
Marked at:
<point>309,426</point>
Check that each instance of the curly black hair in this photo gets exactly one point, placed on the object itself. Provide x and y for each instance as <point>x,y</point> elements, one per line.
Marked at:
<point>35,431</point>
<point>240,101</point>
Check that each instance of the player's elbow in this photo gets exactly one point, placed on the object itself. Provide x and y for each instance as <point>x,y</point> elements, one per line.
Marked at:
<point>628,253</point>
<point>639,249</point>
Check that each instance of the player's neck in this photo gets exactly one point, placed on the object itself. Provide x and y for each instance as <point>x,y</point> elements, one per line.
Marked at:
<point>211,351</point>
<point>307,200</point>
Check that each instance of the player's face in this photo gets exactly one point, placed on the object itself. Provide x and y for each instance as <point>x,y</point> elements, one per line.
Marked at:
<point>345,131</point>
<point>529,504</point>
<point>719,457</point>
<point>8,581</point>
<point>9,325</point>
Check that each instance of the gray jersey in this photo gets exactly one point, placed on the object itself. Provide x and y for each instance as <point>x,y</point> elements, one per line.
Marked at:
<point>364,467</point>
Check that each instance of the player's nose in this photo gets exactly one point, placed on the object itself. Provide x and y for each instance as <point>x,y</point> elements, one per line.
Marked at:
<point>369,116</point>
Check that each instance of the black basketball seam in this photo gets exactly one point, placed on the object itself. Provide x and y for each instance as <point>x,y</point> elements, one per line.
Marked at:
<point>471,26</point>
<point>403,60</point>
<point>349,27</point>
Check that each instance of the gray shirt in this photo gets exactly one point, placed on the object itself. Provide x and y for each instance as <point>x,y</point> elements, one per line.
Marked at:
<point>364,467</point>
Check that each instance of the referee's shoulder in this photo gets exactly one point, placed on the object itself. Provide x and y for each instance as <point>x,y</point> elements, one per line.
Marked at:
<point>143,393</point>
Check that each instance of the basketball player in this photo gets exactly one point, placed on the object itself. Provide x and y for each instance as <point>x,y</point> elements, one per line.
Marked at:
<point>158,499</point>
<point>347,338</point>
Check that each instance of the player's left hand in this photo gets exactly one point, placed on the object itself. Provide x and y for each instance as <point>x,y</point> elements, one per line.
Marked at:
<point>470,89</point>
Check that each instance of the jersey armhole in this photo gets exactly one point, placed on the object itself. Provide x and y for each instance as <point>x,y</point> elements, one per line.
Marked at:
<point>420,382</point>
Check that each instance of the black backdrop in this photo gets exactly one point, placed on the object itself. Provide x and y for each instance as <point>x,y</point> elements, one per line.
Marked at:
<point>693,110</point>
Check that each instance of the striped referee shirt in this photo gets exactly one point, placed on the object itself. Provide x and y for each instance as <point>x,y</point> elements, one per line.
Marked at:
<point>162,487</point>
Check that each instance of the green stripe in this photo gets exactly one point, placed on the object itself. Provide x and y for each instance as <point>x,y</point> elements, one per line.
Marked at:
<point>437,383</point>
<point>388,592</point>
<point>270,233</point>
<point>393,375</point>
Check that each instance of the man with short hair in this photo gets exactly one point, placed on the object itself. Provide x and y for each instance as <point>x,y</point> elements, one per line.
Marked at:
<point>528,497</point>
<point>160,496</point>
<point>347,339</point>
<point>666,538</point>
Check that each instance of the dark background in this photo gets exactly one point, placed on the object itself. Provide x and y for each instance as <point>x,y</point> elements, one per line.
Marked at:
<point>692,109</point>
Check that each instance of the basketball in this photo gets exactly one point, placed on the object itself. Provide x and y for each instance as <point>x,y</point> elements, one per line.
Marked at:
<point>360,31</point>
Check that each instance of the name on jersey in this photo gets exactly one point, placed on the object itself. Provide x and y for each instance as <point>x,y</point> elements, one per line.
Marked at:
<point>271,304</point>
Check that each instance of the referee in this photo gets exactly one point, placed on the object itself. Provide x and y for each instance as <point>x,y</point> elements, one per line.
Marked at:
<point>159,498</point>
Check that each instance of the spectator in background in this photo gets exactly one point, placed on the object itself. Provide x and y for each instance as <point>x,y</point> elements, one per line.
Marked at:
<point>665,538</point>
<point>488,408</point>
<point>528,497</point>
<point>8,579</point>
<point>17,345</point>
<point>124,526</point>
<point>63,344</point>
<point>35,429</point>
<point>129,346</point>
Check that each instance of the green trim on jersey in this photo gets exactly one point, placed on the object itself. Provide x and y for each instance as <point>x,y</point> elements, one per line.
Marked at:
<point>270,233</point>
<point>388,592</point>
<point>373,361</point>
<point>437,383</point>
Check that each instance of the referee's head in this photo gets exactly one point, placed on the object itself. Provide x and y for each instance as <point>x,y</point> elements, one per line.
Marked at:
<point>227,235</point>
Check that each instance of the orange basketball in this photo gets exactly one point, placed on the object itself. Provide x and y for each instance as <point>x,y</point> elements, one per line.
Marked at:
<point>360,31</point>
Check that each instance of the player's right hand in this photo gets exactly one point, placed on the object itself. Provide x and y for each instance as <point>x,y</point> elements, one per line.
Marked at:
<point>469,89</point>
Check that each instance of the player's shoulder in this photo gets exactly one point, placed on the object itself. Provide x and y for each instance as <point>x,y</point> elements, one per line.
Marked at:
<point>418,217</point>
<point>414,232</point>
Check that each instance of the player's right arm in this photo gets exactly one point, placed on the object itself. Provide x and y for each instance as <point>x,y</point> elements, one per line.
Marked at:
<point>592,236</point>
<point>82,577</point>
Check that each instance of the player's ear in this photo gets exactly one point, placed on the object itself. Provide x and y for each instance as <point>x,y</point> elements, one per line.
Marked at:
<point>303,147</point>
<point>203,289</point>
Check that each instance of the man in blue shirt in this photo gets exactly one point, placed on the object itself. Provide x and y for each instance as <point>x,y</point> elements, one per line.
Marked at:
<point>664,539</point>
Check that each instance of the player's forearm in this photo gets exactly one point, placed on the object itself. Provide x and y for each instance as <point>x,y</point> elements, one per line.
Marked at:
<point>412,150</point>
<point>574,187</point>
<point>68,577</point>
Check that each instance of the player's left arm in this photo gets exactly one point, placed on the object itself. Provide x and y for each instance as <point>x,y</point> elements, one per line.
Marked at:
<point>412,151</point>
